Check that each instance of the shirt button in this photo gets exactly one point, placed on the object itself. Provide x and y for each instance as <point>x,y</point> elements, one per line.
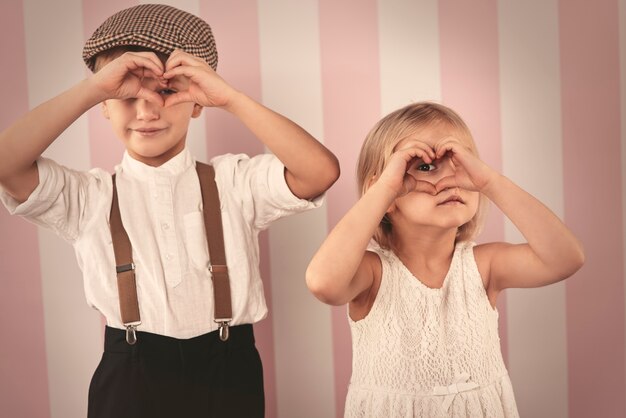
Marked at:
<point>165,226</point>
<point>169,256</point>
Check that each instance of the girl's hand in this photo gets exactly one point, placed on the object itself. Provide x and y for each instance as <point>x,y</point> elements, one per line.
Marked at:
<point>205,88</point>
<point>396,175</point>
<point>122,78</point>
<point>470,172</point>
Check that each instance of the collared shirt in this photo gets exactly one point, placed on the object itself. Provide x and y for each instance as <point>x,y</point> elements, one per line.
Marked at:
<point>161,209</point>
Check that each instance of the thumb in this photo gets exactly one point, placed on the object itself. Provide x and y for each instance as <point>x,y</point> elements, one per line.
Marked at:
<point>150,96</point>
<point>179,97</point>
<point>425,187</point>
<point>446,183</point>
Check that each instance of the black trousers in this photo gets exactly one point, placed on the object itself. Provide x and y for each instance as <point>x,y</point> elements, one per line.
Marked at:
<point>167,377</point>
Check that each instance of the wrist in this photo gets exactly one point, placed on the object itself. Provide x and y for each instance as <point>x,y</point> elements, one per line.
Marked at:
<point>92,93</point>
<point>233,101</point>
<point>493,184</point>
<point>387,189</point>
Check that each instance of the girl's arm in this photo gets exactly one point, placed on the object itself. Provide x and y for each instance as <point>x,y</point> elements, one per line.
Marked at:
<point>552,252</point>
<point>339,272</point>
<point>342,269</point>
<point>310,167</point>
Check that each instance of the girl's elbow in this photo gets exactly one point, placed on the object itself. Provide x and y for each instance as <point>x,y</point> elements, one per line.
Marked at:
<point>322,290</point>
<point>574,263</point>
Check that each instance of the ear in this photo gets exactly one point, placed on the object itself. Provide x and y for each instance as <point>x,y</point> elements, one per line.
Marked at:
<point>105,110</point>
<point>197,110</point>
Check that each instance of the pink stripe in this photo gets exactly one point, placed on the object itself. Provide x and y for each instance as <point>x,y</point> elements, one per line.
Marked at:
<point>590,86</point>
<point>23,384</point>
<point>236,29</point>
<point>351,99</point>
<point>104,148</point>
<point>470,84</point>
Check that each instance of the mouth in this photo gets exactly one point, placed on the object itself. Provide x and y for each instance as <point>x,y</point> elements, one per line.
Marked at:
<point>148,131</point>
<point>451,200</point>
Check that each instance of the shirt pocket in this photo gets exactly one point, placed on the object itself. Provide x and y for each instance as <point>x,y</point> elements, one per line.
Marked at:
<point>195,240</point>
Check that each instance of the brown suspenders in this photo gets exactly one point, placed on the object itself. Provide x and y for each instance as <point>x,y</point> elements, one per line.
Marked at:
<point>126,285</point>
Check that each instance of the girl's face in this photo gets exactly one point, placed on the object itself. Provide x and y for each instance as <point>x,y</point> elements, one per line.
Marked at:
<point>449,208</point>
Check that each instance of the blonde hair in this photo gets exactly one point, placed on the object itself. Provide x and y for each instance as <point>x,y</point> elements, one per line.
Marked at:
<point>380,142</point>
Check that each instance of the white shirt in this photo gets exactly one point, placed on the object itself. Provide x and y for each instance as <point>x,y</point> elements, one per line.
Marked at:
<point>161,210</point>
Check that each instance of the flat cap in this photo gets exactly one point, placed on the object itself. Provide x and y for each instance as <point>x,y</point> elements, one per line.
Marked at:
<point>156,26</point>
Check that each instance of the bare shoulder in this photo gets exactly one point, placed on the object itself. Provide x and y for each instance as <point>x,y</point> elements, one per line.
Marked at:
<point>371,267</point>
<point>485,255</point>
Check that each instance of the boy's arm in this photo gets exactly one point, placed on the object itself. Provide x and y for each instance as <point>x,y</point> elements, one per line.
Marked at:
<point>310,167</point>
<point>24,141</point>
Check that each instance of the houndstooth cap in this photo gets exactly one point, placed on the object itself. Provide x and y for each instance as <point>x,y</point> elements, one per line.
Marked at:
<point>156,26</point>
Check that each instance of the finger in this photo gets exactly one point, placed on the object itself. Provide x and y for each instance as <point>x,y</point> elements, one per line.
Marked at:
<point>448,182</point>
<point>150,95</point>
<point>148,60</point>
<point>427,149</point>
<point>153,57</point>
<point>180,97</point>
<point>444,147</point>
<point>141,63</point>
<point>179,58</point>
<point>411,154</point>
<point>425,187</point>
<point>184,70</point>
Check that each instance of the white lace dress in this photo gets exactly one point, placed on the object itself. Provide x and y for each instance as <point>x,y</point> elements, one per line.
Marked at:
<point>424,352</point>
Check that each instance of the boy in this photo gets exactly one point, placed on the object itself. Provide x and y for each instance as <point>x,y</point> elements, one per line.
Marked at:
<point>154,70</point>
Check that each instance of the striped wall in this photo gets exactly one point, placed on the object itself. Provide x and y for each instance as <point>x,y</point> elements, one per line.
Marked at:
<point>541,83</point>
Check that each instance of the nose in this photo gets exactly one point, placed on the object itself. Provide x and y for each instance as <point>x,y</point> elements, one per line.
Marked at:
<point>146,110</point>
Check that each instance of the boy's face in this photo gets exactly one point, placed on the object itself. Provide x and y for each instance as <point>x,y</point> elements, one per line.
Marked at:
<point>151,133</point>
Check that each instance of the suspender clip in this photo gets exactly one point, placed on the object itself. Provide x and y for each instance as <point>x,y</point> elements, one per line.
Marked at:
<point>124,267</point>
<point>218,268</point>
<point>223,327</point>
<point>131,334</point>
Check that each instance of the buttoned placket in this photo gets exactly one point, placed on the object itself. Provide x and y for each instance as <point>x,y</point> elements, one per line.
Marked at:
<point>162,198</point>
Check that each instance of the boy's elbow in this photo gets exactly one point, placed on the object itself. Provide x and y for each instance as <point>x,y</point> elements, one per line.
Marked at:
<point>332,172</point>
<point>578,259</point>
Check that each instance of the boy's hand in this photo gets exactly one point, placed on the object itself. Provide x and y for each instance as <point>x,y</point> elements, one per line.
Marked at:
<point>205,88</point>
<point>396,173</point>
<point>122,78</point>
<point>470,172</point>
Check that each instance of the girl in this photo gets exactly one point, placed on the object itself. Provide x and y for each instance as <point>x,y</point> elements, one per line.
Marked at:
<point>422,300</point>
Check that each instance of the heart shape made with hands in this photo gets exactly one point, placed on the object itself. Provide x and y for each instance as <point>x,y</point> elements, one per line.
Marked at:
<point>445,183</point>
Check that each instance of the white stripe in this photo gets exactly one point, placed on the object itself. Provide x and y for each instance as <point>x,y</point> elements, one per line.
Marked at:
<point>291,85</point>
<point>532,157</point>
<point>54,33</point>
<point>410,69</point>
<point>196,135</point>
